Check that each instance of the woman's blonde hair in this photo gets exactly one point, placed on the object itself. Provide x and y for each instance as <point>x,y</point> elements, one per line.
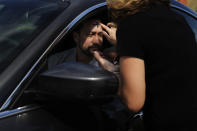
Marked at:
<point>122,8</point>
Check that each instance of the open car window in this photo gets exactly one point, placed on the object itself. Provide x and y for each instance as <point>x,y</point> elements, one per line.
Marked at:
<point>64,47</point>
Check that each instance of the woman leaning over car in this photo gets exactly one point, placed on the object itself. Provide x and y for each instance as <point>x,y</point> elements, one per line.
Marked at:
<point>158,63</point>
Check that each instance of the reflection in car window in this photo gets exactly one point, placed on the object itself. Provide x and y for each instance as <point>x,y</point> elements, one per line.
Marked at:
<point>191,21</point>
<point>21,21</point>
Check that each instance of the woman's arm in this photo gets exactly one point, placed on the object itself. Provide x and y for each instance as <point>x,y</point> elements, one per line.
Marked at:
<point>132,88</point>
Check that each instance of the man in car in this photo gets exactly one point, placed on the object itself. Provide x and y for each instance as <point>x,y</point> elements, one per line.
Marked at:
<point>89,41</point>
<point>88,38</point>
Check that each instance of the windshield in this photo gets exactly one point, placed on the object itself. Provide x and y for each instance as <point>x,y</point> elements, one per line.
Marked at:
<point>21,21</point>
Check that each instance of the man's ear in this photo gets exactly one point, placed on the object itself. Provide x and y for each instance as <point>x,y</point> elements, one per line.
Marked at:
<point>76,37</point>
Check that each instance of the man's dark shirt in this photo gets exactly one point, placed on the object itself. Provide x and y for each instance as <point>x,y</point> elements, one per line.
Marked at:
<point>167,45</point>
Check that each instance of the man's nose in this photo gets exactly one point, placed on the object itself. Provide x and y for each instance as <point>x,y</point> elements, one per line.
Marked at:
<point>97,39</point>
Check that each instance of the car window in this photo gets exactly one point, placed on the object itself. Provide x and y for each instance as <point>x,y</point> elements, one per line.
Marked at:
<point>21,21</point>
<point>190,19</point>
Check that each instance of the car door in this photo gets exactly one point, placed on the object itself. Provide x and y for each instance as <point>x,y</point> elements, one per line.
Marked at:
<point>22,22</point>
<point>18,109</point>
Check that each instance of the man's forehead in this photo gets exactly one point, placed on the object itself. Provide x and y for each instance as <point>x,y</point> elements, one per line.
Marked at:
<point>94,22</point>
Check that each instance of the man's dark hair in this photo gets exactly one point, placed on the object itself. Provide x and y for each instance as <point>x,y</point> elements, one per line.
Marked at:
<point>81,25</point>
<point>102,16</point>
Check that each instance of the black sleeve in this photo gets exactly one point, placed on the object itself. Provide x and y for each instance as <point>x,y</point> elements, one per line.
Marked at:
<point>128,38</point>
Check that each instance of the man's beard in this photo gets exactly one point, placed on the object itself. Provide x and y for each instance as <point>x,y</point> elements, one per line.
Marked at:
<point>91,49</point>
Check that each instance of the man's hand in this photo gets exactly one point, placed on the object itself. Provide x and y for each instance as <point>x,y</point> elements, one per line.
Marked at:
<point>109,32</point>
<point>105,63</point>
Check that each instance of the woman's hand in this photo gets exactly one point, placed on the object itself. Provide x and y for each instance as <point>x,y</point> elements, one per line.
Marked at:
<point>109,32</point>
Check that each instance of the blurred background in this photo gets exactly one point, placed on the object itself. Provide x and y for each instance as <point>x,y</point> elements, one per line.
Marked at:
<point>190,3</point>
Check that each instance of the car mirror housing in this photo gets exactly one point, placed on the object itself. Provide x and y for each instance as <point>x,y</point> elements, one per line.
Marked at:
<point>78,82</point>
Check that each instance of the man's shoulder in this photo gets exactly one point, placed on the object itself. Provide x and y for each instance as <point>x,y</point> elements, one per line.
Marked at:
<point>60,57</point>
<point>64,54</point>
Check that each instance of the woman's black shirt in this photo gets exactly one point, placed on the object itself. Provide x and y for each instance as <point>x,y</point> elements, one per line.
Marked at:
<point>165,42</point>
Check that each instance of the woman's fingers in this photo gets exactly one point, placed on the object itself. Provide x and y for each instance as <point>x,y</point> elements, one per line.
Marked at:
<point>111,25</point>
<point>110,32</point>
<point>106,28</point>
<point>106,35</point>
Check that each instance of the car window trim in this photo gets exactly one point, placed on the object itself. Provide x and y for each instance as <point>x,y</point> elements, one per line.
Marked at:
<point>18,110</point>
<point>56,40</point>
<point>188,11</point>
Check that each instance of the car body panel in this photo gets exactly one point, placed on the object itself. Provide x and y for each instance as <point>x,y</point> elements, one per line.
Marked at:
<point>30,118</point>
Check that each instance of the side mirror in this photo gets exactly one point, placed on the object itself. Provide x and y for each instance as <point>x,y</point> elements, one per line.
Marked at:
<point>77,82</point>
